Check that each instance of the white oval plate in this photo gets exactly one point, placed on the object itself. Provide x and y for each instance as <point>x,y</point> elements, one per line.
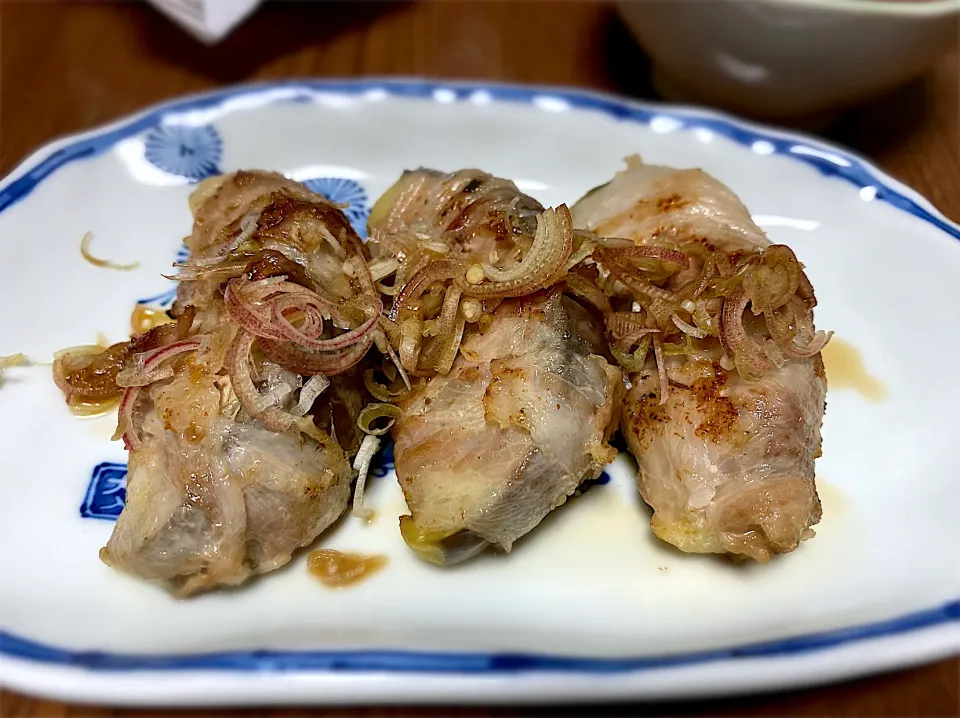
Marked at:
<point>589,606</point>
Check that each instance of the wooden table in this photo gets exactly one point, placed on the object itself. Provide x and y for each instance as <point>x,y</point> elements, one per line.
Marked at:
<point>69,66</point>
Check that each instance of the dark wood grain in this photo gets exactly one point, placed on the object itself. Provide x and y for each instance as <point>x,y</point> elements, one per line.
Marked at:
<point>68,66</point>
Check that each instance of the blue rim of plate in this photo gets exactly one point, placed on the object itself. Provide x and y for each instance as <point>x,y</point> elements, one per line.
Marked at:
<point>829,160</point>
<point>451,662</point>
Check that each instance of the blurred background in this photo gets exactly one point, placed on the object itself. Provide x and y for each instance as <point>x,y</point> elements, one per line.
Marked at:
<point>883,80</point>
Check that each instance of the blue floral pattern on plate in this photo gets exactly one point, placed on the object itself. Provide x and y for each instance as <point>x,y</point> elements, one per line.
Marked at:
<point>345,191</point>
<point>191,151</point>
<point>107,492</point>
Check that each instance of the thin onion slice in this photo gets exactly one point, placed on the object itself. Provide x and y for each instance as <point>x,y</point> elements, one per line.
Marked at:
<point>228,270</point>
<point>238,368</point>
<point>772,282</point>
<point>383,268</point>
<point>410,292</point>
<point>395,358</point>
<point>723,265</point>
<point>291,333</point>
<point>446,336</point>
<point>356,266</point>
<point>546,260</point>
<point>125,423</point>
<point>814,346</point>
<point>752,362</point>
<point>275,396</point>
<point>631,280</point>
<point>688,328</point>
<point>269,321</point>
<point>153,359</point>
<point>379,391</point>
<point>584,236</point>
<point>244,313</point>
<point>448,354</point>
<point>779,325</point>
<point>147,365</point>
<point>633,362</point>
<point>361,464</point>
<point>410,341</point>
<point>548,244</point>
<point>248,227</point>
<point>661,368</point>
<point>308,363</point>
<point>706,274</point>
<point>585,289</point>
<point>623,324</point>
<point>372,412</point>
<point>645,251</point>
<point>314,387</point>
<point>704,321</point>
<point>105,263</point>
<point>579,254</point>
<point>805,290</point>
<point>786,339</point>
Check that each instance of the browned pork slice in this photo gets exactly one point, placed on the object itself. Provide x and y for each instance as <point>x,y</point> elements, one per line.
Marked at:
<point>485,452</point>
<point>213,500</point>
<point>232,466</point>
<point>726,451</point>
<point>262,224</point>
<point>500,433</point>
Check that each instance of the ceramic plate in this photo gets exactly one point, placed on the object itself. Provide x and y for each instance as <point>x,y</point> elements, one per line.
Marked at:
<point>588,606</point>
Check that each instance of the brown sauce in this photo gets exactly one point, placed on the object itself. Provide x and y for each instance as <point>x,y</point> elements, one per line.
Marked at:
<point>846,370</point>
<point>337,569</point>
<point>145,318</point>
<point>93,408</point>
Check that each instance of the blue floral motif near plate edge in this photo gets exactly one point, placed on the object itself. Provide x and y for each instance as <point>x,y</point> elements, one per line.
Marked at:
<point>190,151</point>
<point>827,159</point>
<point>341,190</point>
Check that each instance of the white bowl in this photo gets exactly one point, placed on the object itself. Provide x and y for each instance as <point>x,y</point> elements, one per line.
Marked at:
<point>788,59</point>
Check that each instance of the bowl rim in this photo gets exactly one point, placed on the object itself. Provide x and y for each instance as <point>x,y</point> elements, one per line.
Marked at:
<point>890,8</point>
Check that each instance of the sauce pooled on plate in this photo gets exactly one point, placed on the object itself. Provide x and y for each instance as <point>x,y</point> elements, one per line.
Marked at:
<point>337,569</point>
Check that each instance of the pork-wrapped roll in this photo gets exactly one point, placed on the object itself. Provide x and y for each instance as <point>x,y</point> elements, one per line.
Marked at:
<point>724,414</point>
<point>232,462</point>
<point>513,400</point>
